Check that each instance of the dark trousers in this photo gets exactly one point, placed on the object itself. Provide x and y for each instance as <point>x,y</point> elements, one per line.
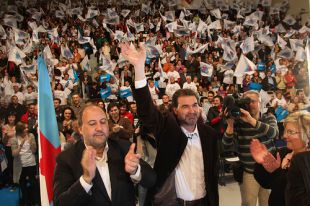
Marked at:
<point>29,186</point>
<point>8,172</point>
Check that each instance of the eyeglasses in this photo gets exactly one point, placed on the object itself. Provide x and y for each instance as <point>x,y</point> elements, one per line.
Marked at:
<point>290,132</point>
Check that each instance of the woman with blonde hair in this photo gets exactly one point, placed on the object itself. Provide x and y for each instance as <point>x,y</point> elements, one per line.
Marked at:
<point>298,178</point>
<point>271,172</point>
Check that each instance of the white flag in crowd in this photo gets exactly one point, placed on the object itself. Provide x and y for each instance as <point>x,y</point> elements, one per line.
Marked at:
<point>244,66</point>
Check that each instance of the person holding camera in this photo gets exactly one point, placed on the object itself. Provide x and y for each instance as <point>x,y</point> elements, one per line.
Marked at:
<point>241,129</point>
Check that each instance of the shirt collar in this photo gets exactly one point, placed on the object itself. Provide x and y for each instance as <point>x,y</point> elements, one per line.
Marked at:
<point>190,134</point>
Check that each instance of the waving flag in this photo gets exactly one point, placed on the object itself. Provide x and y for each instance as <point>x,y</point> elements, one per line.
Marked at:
<point>216,13</point>
<point>83,40</point>
<point>281,42</point>
<point>85,64</point>
<point>170,15</point>
<point>16,55</point>
<point>280,29</point>
<point>206,70</point>
<point>20,36</point>
<point>125,92</point>
<point>49,144</point>
<point>10,22</point>
<point>2,33</point>
<point>125,12</point>
<point>65,52</point>
<point>91,13</point>
<point>244,66</point>
<point>289,20</point>
<point>286,53</point>
<point>247,45</point>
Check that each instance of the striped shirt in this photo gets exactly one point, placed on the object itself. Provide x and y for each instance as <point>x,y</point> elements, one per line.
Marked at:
<point>265,131</point>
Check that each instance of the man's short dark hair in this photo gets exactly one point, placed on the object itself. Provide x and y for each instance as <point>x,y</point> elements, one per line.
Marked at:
<point>211,92</point>
<point>111,105</point>
<point>57,99</point>
<point>219,97</point>
<point>182,93</point>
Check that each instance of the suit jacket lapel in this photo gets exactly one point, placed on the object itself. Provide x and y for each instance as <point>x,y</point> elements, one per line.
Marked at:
<point>99,184</point>
<point>205,150</point>
<point>113,172</point>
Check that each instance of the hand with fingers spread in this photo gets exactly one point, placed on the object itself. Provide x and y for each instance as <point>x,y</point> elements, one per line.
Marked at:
<point>88,163</point>
<point>132,160</point>
<point>258,151</point>
<point>270,163</point>
<point>135,56</point>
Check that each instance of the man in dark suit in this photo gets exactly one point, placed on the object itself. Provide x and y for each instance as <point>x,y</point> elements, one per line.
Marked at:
<point>92,172</point>
<point>186,162</point>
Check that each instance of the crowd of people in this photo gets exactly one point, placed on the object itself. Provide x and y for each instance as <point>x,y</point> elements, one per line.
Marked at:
<point>161,75</point>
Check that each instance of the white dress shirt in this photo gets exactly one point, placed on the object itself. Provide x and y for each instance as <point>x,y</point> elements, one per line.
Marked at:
<point>189,173</point>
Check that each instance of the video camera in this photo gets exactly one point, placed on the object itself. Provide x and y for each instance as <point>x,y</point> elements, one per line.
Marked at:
<point>233,106</point>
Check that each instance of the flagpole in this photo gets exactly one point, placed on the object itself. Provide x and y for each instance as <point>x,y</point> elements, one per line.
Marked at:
<point>308,60</point>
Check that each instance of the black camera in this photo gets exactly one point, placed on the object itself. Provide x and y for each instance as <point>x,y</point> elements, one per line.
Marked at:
<point>233,106</point>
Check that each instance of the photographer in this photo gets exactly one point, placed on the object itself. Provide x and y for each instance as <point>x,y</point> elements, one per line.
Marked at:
<point>250,124</point>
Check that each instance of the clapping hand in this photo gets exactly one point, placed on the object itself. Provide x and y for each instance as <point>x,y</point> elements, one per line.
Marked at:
<point>270,163</point>
<point>262,156</point>
<point>258,151</point>
<point>88,163</point>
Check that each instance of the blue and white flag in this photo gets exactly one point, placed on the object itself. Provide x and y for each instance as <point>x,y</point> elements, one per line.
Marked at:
<point>206,70</point>
<point>139,27</point>
<point>2,32</point>
<point>125,92</point>
<point>280,28</point>
<point>76,11</point>
<point>125,12</point>
<point>215,25</point>
<point>244,66</point>
<point>121,62</point>
<point>16,55</point>
<point>20,36</point>
<point>289,20</point>
<point>83,40</point>
<point>229,47</point>
<point>296,43</point>
<point>247,45</point>
<point>145,8</point>
<point>91,13</point>
<point>10,22</point>
<point>85,64</point>
<point>28,47</point>
<point>105,92</point>
<point>281,42</point>
<point>66,52</point>
<point>300,54</point>
<point>59,14</point>
<point>119,35</point>
<point>250,21</point>
<point>286,53</point>
<point>216,13</point>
